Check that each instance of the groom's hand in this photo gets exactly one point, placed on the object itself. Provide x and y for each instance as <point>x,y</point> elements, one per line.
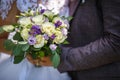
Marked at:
<point>45,61</point>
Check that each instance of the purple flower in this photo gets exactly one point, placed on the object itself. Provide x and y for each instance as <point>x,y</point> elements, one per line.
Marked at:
<point>58,23</point>
<point>31,40</point>
<point>53,47</point>
<point>46,36</point>
<point>53,36</point>
<point>42,11</point>
<point>35,30</point>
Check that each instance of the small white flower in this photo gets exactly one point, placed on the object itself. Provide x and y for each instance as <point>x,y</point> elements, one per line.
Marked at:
<point>64,31</point>
<point>53,47</point>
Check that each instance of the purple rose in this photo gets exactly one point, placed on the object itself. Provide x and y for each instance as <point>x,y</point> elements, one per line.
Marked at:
<point>53,36</point>
<point>42,11</point>
<point>31,40</point>
<point>46,37</point>
<point>35,30</point>
<point>58,23</point>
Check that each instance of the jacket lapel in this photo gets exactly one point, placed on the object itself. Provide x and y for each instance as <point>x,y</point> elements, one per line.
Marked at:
<point>73,6</point>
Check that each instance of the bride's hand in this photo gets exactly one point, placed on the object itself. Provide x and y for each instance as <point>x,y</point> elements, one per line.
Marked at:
<point>46,61</point>
<point>33,61</point>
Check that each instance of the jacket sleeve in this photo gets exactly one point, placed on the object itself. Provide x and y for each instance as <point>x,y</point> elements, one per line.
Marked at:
<point>100,52</point>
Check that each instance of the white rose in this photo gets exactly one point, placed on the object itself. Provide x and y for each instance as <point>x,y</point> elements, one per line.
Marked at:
<point>8,28</point>
<point>24,21</point>
<point>48,28</point>
<point>59,37</point>
<point>25,33</point>
<point>40,41</point>
<point>49,14</point>
<point>31,12</point>
<point>39,19</point>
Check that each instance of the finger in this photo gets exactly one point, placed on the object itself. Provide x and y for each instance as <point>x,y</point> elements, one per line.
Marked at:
<point>44,64</point>
<point>44,59</point>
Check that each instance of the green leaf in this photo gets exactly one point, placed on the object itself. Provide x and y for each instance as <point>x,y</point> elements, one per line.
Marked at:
<point>18,50</point>
<point>34,55</point>
<point>9,45</point>
<point>65,42</point>
<point>47,50</point>
<point>25,47</point>
<point>18,59</point>
<point>18,37</point>
<point>58,50</point>
<point>15,25</point>
<point>69,18</point>
<point>53,52</point>
<point>55,60</point>
<point>41,54</point>
<point>35,49</point>
<point>1,30</point>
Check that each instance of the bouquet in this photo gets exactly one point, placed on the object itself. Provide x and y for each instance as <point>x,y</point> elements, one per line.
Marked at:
<point>37,33</point>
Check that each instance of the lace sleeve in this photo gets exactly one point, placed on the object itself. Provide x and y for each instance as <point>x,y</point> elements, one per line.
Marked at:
<point>58,6</point>
<point>22,5</point>
<point>5,6</point>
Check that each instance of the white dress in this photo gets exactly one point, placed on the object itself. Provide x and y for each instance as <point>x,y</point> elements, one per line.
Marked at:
<point>25,70</point>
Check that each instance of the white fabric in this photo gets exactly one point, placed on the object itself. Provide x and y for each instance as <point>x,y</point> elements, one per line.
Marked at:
<point>3,57</point>
<point>25,70</point>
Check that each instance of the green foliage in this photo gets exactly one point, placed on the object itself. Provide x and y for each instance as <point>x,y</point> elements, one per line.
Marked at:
<point>1,30</point>
<point>34,55</point>
<point>18,37</point>
<point>35,49</point>
<point>9,45</point>
<point>18,59</point>
<point>18,50</point>
<point>47,50</point>
<point>58,50</point>
<point>65,42</point>
<point>55,59</point>
<point>15,25</point>
<point>41,53</point>
<point>25,47</point>
<point>69,18</point>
